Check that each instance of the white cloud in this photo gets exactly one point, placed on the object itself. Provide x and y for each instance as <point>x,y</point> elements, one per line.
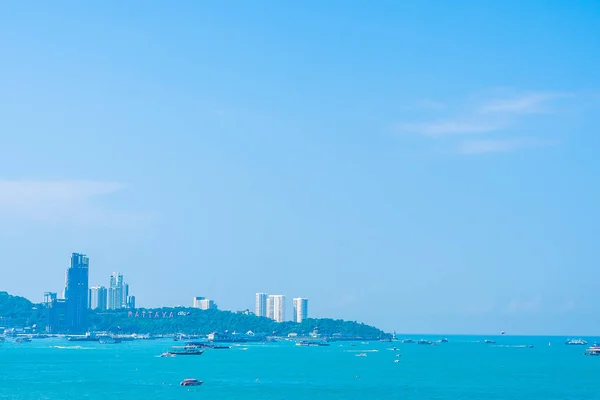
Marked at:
<point>450,127</point>
<point>61,201</point>
<point>527,103</point>
<point>482,146</point>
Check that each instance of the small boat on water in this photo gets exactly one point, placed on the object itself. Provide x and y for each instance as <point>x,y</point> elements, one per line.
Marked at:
<point>593,351</point>
<point>167,354</point>
<point>191,382</point>
<point>312,343</point>
<point>185,351</point>
<point>361,355</point>
<point>575,342</point>
<point>408,341</point>
<point>423,341</point>
<point>488,341</point>
<point>22,340</point>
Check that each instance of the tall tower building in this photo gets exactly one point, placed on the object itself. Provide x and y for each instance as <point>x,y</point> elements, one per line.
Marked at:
<point>118,292</point>
<point>76,293</point>
<point>270,309</point>
<point>300,309</point>
<point>278,307</point>
<point>261,304</point>
<point>98,298</point>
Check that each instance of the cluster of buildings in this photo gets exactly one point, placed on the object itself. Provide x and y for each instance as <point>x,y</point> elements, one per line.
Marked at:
<point>273,307</point>
<point>114,297</point>
<point>69,314</point>
<point>204,303</point>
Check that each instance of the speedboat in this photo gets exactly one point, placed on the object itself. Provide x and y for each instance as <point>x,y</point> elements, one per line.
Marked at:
<point>167,354</point>
<point>488,341</point>
<point>191,382</point>
<point>444,340</point>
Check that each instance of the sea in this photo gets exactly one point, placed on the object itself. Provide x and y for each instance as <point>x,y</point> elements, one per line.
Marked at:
<point>464,368</point>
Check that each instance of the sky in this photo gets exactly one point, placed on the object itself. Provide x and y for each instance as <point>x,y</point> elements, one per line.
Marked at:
<point>422,166</point>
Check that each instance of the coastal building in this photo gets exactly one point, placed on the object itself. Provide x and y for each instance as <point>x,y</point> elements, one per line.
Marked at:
<point>278,307</point>
<point>76,293</point>
<point>197,301</point>
<point>131,302</point>
<point>117,293</point>
<point>261,304</point>
<point>98,298</point>
<point>49,297</point>
<point>204,304</point>
<point>300,309</point>
<point>270,309</point>
<point>56,315</point>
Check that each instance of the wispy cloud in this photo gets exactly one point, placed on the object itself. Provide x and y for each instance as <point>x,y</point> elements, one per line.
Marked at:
<point>526,103</point>
<point>497,115</point>
<point>61,201</point>
<point>451,127</point>
<point>483,146</point>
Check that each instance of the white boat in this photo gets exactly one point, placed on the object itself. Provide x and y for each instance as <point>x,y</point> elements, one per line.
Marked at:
<point>185,351</point>
<point>575,342</point>
<point>361,355</point>
<point>593,351</point>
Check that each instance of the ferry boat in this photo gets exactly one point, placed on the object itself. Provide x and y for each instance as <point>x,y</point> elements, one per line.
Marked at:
<point>312,343</point>
<point>191,382</point>
<point>185,351</point>
<point>575,342</point>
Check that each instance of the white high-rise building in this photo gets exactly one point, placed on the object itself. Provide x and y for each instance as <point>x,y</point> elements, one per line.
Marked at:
<point>261,304</point>
<point>98,298</point>
<point>270,308</point>
<point>278,307</point>
<point>197,301</point>
<point>300,309</point>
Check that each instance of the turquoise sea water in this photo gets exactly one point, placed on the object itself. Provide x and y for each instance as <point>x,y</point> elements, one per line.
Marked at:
<point>460,369</point>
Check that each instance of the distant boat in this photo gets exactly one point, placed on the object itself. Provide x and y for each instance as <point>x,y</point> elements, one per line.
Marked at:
<point>185,351</point>
<point>361,355</point>
<point>408,341</point>
<point>488,341</point>
<point>423,341</point>
<point>443,340</point>
<point>191,382</point>
<point>502,333</point>
<point>312,343</point>
<point>22,340</point>
<point>575,342</point>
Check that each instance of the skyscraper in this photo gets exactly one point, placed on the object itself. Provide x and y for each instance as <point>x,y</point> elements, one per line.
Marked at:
<point>270,309</point>
<point>278,301</point>
<point>76,293</point>
<point>98,298</point>
<point>118,292</point>
<point>261,304</point>
<point>300,309</point>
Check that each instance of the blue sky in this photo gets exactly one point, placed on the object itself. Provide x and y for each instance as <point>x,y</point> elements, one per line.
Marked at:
<point>422,166</point>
